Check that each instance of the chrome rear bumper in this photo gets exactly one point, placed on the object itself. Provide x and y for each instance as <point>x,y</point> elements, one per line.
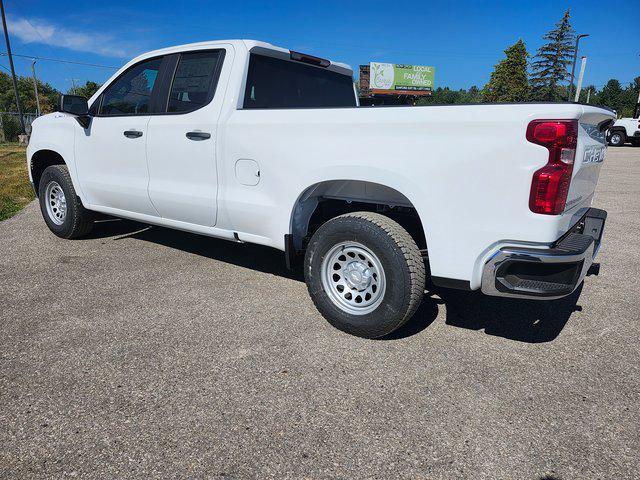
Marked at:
<point>546,273</point>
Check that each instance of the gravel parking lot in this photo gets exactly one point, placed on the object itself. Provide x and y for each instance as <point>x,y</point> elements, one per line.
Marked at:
<point>149,353</point>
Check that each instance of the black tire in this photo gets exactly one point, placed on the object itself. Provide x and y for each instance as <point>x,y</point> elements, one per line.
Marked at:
<point>78,221</point>
<point>617,138</point>
<point>399,257</point>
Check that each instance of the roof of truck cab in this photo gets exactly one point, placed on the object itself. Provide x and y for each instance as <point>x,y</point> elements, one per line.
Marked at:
<point>246,43</point>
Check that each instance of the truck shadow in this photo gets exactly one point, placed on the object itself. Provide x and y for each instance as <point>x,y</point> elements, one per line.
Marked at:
<point>529,321</point>
<point>520,320</point>
<point>526,321</point>
<point>255,257</point>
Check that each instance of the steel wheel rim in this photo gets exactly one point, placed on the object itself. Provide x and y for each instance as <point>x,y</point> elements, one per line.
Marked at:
<point>56,202</point>
<point>353,278</point>
<point>615,138</point>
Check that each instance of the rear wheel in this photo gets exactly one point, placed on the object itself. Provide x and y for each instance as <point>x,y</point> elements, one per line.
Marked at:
<point>617,138</point>
<point>60,206</point>
<point>364,273</point>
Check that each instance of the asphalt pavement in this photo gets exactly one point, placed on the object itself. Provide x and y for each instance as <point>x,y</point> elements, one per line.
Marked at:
<point>143,352</point>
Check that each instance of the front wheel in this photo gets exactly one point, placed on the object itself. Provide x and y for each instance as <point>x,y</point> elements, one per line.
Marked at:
<point>60,206</point>
<point>364,273</point>
<point>617,139</point>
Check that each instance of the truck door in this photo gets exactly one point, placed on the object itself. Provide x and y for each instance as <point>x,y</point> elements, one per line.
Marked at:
<point>111,153</point>
<point>181,143</point>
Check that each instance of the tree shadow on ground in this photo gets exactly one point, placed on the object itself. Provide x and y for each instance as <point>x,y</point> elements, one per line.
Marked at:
<point>519,320</point>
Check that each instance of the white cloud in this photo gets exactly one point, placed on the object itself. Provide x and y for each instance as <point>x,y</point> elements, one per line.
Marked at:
<point>41,31</point>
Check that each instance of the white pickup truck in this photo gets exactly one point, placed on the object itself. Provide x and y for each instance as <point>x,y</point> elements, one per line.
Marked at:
<point>624,130</point>
<point>249,142</point>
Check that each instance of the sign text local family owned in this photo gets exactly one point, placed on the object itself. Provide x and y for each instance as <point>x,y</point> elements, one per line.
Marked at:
<point>389,76</point>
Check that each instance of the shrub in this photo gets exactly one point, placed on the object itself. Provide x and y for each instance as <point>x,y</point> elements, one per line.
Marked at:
<point>11,127</point>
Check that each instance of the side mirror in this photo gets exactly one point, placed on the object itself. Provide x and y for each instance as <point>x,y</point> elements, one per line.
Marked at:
<point>74,104</point>
<point>77,106</point>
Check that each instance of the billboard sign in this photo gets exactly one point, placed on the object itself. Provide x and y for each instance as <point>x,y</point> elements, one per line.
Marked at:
<point>403,78</point>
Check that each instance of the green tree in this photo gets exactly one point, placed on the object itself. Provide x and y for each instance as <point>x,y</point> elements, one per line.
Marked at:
<point>611,95</point>
<point>630,98</point>
<point>508,82</point>
<point>447,96</point>
<point>622,100</point>
<point>86,90</point>
<point>584,93</point>
<point>473,95</point>
<point>552,61</point>
<point>49,96</point>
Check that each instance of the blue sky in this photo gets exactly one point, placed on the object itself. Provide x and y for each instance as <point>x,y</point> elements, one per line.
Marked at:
<point>462,40</point>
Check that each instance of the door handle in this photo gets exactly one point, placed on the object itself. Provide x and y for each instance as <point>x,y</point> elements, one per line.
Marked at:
<point>132,133</point>
<point>198,135</point>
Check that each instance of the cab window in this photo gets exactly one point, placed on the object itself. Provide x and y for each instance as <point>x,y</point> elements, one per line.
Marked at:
<point>131,93</point>
<point>194,81</point>
<point>277,83</point>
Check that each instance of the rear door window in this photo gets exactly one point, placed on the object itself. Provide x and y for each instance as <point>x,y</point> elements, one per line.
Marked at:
<point>131,93</point>
<point>277,83</point>
<point>194,81</point>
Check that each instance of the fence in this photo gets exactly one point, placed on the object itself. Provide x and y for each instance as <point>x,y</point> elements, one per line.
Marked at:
<point>10,125</point>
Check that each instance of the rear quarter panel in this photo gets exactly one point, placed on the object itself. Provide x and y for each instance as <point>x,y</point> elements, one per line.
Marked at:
<point>466,169</point>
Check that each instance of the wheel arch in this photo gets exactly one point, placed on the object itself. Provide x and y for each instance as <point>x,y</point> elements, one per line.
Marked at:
<point>40,160</point>
<point>348,195</point>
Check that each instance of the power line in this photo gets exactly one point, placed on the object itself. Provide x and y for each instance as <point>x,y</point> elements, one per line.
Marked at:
<point>26,18</point>
<point>44,41</point>
<point>31,57</point>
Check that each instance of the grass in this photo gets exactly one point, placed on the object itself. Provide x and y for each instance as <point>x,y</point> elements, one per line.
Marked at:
<point>15,189</point>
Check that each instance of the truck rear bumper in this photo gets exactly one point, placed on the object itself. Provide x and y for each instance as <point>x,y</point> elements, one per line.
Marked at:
<point>546,273</point>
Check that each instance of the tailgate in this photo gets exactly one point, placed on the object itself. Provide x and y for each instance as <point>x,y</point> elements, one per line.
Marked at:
<point>590,154</point>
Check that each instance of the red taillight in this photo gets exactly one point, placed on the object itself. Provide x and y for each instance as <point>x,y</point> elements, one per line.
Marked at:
<point>550,184</point>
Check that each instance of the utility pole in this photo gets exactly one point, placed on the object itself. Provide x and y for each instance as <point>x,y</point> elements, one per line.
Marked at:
<point>636,110</point>
<point>13,72</point>
<point>580,77</point>
<point>575,58</point>
<point>35,86</point>
<point>588,95</point>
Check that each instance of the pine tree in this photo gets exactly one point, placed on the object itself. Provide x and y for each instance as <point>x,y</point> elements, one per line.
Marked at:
<point>611,95</point>
<point>508,82</point>
<point>552,61</point>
